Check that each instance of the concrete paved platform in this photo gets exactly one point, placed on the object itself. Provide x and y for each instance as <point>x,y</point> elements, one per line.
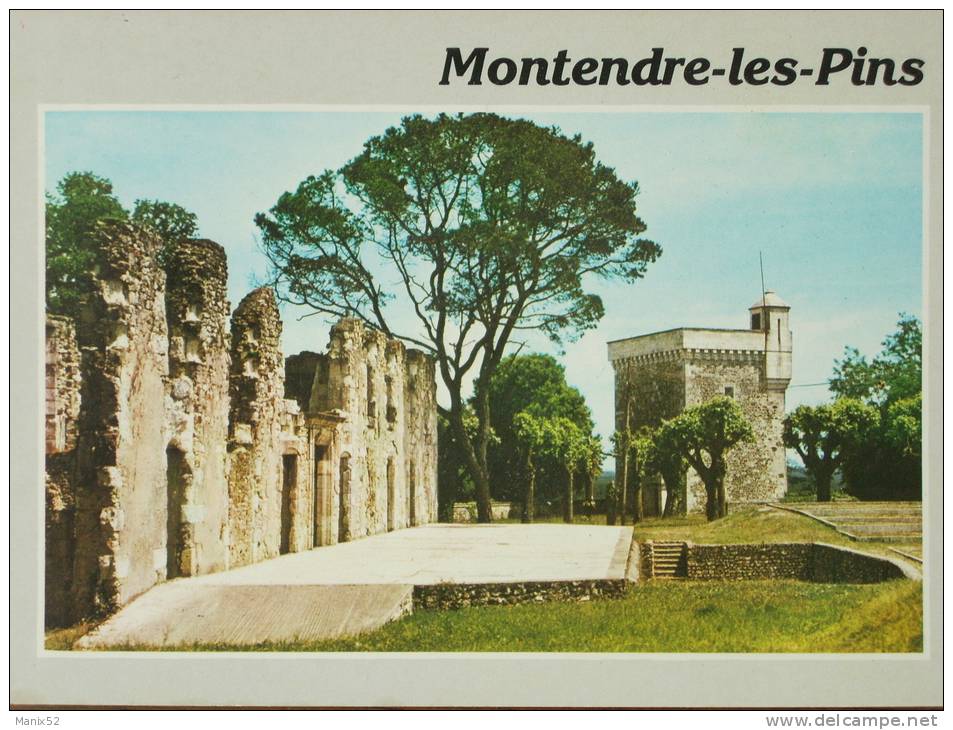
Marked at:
<point>358,586</point>
<point>181,614</point>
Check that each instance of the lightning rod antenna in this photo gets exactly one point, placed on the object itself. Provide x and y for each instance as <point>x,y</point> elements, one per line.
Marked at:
<point>764,301</point>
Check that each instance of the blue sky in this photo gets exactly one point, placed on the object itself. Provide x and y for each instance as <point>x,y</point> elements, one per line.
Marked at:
<point>833,202</point>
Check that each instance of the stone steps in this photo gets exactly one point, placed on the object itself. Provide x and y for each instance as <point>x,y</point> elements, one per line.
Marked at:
<point>899,519</point>
<point>883,528</point>
<point>859,511</point>
<point>668,559</point>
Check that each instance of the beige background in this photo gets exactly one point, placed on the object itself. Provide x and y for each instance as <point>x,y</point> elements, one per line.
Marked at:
<point>395,59</point>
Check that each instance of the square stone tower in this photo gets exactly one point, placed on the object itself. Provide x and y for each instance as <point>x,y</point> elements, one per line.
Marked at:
<point>659,375</point>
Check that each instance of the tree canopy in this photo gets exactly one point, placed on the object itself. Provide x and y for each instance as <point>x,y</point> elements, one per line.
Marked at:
<point>170,221</point>
<point>704,435</point>
<point>83,200</point>
<point>896,373</point>
<point>536,385</point>
<point>824,435</point>
<point>886,464</point>
<point>492,227</point>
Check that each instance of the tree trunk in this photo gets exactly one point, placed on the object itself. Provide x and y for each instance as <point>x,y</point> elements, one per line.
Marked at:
<point>632,489</point>
<point>610,504</point>
<point>567,508</point>
<point>591,489</point>
<point>711,502</point>
<point>673,491</point>
<point>722,498</point>
<point>823,483</point>
<point>529,506</point>
<point>477,470</point>
<point>669,508</point>
<point>720,472</point>
<point>623,488</point>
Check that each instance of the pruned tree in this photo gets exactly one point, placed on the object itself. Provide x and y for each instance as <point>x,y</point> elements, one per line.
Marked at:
<point>592,465</point>
<point>666,457</point>
<point>822,436</point>
<point>491,226</point>
<point>531,436</point>
<point>565,443</point>
<point>622,440</point>
<point>534,383</point>
<point>706,433</point>
<point>639,471</point>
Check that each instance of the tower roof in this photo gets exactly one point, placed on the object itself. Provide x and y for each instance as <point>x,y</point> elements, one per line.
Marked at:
<point>771,299</point>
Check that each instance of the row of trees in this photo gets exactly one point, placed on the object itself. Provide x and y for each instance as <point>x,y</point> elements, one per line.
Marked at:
<point>542,448</point>
<point>872,431</point>
<point>700,437</point>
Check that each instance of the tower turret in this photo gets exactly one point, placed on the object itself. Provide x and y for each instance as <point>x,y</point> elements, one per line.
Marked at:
<point>770,315</point>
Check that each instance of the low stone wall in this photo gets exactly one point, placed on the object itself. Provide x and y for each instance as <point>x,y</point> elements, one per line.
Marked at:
<point>842,565</point>
<point>646,556</point>
<point>790,561</point>
<point>460,595</point>
<point>467,511</point>
<point>814,562</point>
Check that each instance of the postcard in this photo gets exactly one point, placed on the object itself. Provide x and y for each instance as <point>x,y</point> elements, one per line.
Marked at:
<point>484,359</point>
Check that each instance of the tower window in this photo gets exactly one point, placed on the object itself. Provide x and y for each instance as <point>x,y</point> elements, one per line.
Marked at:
<point>756,321</point>
<point>730,391</point>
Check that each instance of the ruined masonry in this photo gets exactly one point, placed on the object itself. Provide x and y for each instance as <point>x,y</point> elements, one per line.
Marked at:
<point>659,375</point>
<point>179,442</point>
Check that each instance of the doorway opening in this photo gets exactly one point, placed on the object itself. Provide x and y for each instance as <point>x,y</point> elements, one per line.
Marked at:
<point>344,496</point>
<point>391,495</point>
<point>289,478</point>
<point>176,471</point>
<point>412,494</point>
<point>320,491</point>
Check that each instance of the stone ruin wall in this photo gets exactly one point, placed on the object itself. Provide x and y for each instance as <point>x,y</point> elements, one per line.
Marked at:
<point>120,471</point>
<point>270,476</point>
<point>420,434</point>
<point>384,456</point>
<point>256,388</point>
<point>62,411</point>
<point>197,407</point>
<point>172,449</point>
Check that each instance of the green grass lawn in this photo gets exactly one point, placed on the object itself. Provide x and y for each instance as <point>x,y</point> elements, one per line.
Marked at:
<point>762,616</point>
<point>748,523</point>
<point>744,524</point>
<point>756,524</point>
